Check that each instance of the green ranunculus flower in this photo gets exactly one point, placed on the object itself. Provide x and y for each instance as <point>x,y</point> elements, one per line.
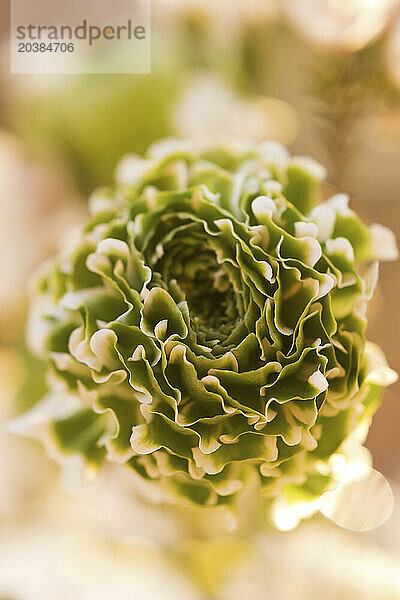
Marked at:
<point>207,325</point>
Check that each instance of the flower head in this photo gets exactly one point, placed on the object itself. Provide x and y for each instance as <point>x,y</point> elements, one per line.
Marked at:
<point>207,324</point>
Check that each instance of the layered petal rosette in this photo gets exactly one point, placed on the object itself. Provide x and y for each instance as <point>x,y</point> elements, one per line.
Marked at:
<point>207,325</point>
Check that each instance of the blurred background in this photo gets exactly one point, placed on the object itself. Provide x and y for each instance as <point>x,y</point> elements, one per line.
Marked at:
<point>321,76</point>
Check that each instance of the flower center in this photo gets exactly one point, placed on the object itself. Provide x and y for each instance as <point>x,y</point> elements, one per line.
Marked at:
<point>205,284</point>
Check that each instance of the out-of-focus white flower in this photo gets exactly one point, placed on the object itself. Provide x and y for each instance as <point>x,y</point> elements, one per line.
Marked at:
<point>42,562</point>
<point>342,24</point>
<point>36,205</point>
<point>317,561</point>
<point>208,108</point>
<point>71,559</point>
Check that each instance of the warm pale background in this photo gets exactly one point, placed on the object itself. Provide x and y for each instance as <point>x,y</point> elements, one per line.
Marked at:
<point>322,76</point>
